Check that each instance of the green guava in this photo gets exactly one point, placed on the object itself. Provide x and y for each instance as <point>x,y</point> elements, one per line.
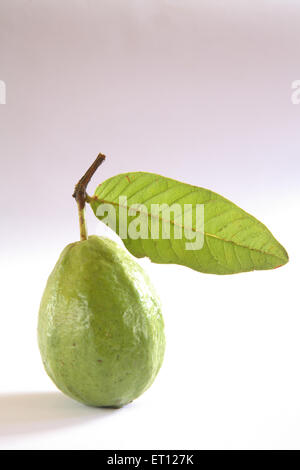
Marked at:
<point>100,327</point>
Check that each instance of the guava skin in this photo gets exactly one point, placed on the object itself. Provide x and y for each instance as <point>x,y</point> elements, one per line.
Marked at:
<point>100,328</point>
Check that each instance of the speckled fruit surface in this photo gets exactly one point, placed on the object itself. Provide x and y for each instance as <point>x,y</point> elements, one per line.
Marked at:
<point>100,327</point>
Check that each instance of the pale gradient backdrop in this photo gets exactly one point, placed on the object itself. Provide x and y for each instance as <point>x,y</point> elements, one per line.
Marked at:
<point>197,91</point>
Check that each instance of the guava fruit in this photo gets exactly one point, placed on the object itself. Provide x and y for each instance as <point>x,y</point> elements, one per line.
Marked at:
<point>100,327</point>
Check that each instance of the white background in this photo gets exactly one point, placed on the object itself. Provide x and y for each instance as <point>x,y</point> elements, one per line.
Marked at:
<point>198,91</point>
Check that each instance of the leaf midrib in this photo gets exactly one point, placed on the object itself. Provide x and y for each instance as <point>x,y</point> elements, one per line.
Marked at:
<point>105,201</point>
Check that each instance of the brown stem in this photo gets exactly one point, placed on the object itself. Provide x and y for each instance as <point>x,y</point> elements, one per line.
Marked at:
<point>81,196</point>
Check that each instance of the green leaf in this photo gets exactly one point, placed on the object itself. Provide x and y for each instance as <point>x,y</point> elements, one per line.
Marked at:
<point>233,240</point>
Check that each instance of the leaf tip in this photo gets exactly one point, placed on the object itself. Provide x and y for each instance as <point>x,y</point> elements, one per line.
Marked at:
<point>284,259</point>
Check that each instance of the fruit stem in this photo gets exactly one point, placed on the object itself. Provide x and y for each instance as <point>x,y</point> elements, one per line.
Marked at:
<point>82,223</point>
<point>80,194</point>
